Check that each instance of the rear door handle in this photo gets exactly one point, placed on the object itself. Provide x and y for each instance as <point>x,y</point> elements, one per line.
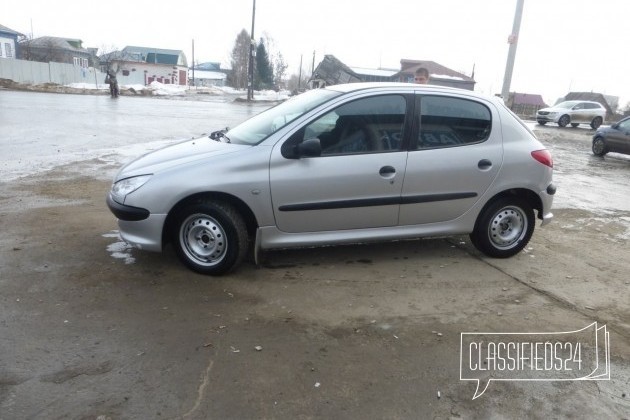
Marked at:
<point>484,164</point>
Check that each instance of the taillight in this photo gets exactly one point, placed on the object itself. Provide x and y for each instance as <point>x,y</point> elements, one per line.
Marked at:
<point>543,156</point>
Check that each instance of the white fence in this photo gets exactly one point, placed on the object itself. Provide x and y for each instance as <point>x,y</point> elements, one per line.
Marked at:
<point>35,73</point>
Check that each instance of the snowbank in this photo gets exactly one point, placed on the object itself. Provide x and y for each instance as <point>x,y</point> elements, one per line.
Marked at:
<point>161,89</point>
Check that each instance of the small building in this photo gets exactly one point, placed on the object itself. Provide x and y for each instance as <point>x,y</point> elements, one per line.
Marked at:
<point>525,104</point>
<point>332,71</point>
<point>438,74</point>
<point>9,45</point>
<point>207,74</point>
<point>374,75</point>
<point>54,49</point>
<point>154,64</point>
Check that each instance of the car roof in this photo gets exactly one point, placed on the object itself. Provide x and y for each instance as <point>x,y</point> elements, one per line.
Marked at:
<point>578,101</point>
<point>411,87</point>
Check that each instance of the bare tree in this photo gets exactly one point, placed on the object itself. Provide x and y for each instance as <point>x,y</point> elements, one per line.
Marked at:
<point>296,84</point>
<point>45,51</point>
<point>240,59</point>
<point>278,65</point>
<point>107,54</point>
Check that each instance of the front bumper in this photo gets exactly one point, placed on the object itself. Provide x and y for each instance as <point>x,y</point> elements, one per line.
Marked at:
<point>138,227</point>
<point>123,212</point>
<point>545,118</point>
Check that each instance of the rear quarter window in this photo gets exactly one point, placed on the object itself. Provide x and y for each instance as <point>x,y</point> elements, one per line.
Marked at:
<point>451,122</point>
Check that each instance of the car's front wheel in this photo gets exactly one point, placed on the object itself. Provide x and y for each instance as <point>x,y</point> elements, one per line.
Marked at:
<point>599,146</point>
<point>597,121</point>
<point>210,237</point>
<point>564,120</point>
<point>504,227</point>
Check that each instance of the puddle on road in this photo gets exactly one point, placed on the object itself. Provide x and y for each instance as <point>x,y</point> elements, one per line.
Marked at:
<point>120,250</point>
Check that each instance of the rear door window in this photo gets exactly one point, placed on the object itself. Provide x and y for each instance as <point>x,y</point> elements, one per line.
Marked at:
<point>450,122</point>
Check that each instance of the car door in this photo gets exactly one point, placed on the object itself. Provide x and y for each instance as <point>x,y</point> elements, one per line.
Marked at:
<point>593,110</point>
<point>456,156</point>
<point>579,113</point>
<point>356,181</point>
<point>618,140</point>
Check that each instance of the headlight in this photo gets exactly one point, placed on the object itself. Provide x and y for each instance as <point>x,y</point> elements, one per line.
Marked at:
<point>126,186</point>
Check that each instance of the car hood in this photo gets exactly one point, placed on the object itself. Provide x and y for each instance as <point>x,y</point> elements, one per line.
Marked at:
<point>554,109</point>
<point>177,154</point>
<point>604,130</point>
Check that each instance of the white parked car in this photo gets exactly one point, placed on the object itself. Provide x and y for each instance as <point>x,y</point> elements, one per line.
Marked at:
<point>345,164</point>
<point>574,113</point>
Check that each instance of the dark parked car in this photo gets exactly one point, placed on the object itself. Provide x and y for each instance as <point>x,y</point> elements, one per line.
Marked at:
<point>615,138</point>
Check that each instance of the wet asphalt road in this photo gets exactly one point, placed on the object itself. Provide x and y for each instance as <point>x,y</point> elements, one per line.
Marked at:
<point>43,130</point>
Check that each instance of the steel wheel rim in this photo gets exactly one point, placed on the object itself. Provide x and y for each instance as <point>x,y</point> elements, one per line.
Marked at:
<point>507,227</point>
<point>598,146</point>
<point>203,239</point>
<point>564,120</point>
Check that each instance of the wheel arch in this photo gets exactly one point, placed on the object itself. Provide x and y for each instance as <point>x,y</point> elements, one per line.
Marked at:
<point>525,194</point>
<point>237,203</point>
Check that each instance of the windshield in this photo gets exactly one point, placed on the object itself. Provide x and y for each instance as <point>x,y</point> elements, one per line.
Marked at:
<point>567,104</point>
<point>261,126</point>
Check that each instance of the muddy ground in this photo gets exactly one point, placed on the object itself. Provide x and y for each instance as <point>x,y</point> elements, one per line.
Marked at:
<point>91,329</point>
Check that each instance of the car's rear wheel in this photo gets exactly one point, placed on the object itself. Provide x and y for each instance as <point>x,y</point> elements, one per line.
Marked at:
<point>597,121</point>
<point>564,120</point>
<point>542,122</point>
<point>210,237</point>
<point>574,125</point>
<point>504,227</point>
<point>599,146</point>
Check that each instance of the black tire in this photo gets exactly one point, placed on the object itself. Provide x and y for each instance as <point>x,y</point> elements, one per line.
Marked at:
<point>597,121</point>
<point>574,124</point>
<point>210,237</point>
<point>599,146</point>
<point>542,122</point>
<point>504,227</point>
<point>564,120</point>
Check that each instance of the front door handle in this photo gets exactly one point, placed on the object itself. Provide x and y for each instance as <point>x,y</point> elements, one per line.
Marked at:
<point>387,171</point>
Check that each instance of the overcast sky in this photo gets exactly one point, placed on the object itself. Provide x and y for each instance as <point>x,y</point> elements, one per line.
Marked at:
<point>564,45</point>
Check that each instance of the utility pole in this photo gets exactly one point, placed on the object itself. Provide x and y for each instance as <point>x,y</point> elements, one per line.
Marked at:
<point>513,41</point>
<point>250,70</point>
<point>300,75</point>
<point>193,64</point>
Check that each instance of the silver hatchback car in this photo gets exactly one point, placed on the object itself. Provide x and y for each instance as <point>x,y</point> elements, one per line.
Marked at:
<point>345,164</point>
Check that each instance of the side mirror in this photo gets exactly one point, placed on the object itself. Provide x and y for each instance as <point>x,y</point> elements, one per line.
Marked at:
<point>309,148</point>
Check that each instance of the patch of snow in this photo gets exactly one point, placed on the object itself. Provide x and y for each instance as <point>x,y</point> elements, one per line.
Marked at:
<point>119,250</point>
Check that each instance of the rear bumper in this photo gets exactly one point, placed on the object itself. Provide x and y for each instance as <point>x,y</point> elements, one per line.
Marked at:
<point>547,199</point>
